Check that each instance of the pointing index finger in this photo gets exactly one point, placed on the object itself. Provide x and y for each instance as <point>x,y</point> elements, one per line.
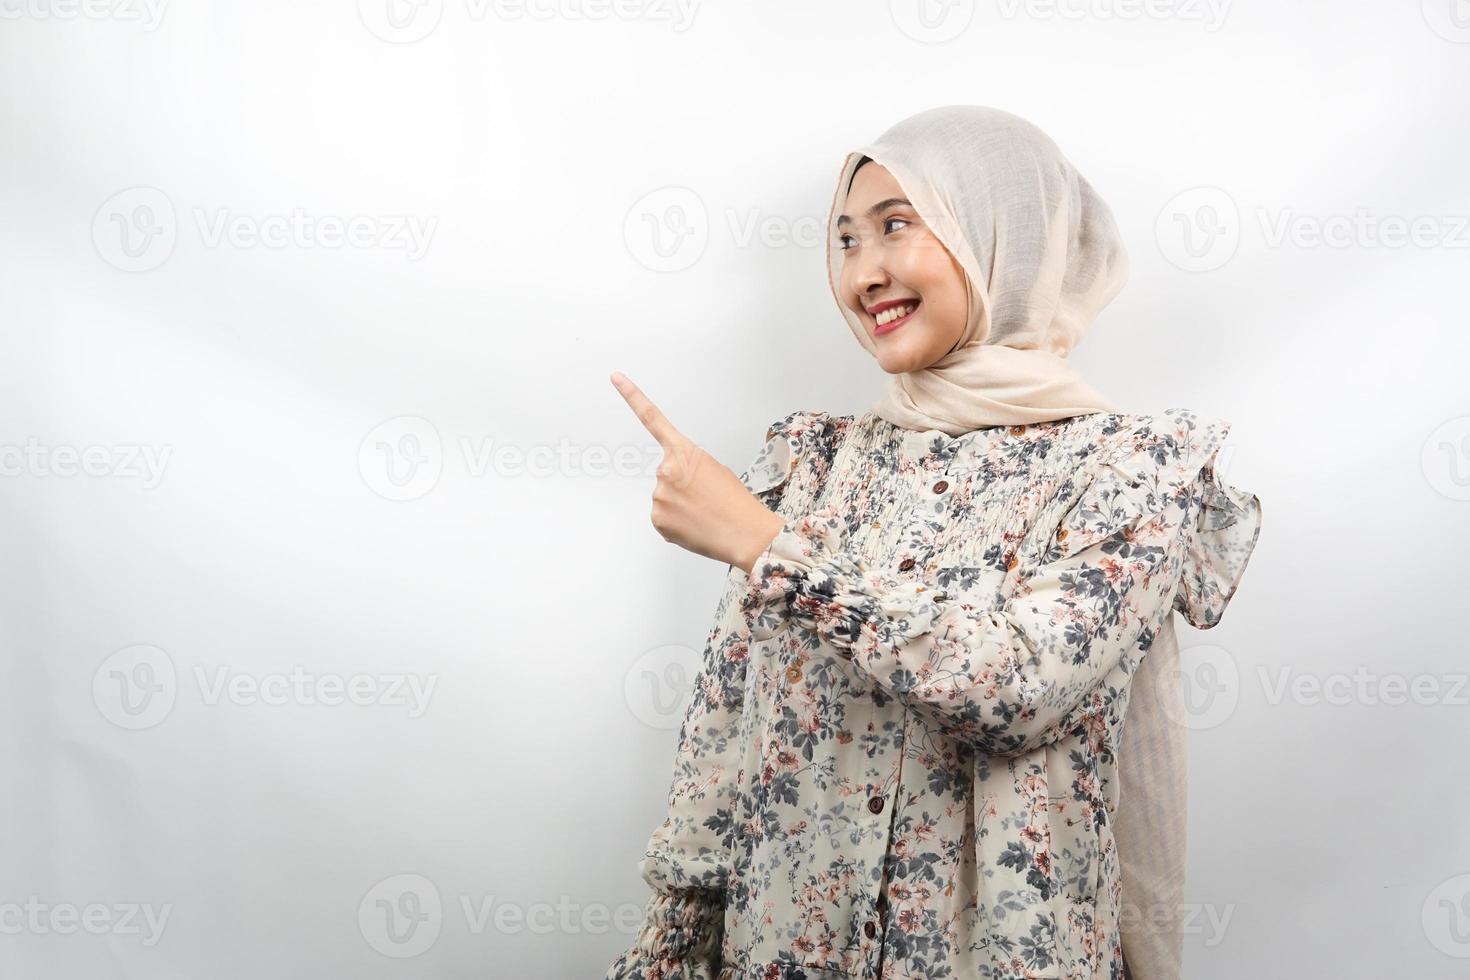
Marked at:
<point>648,413</point>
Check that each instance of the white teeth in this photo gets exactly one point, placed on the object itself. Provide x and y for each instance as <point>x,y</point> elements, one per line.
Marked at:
<point>894,313</point>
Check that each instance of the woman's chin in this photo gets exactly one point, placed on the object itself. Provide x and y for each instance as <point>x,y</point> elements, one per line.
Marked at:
<point>899,362</point>
<point>900,357</point>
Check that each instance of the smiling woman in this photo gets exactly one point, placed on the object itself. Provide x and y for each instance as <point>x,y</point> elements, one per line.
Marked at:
<point>906,287</point>
<point>904,753</point>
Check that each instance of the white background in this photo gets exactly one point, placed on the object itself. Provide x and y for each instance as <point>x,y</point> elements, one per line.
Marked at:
<point>642,191</point>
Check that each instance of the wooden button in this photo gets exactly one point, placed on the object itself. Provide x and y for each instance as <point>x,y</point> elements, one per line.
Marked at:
<point>876,804</point>
<point>906,564</point>
<point>941,486</point>
<point>869,929</point>
<point>1062,534</point>
<point>1010,559</point>
<point>1017,430</point>
<point>793,673</point>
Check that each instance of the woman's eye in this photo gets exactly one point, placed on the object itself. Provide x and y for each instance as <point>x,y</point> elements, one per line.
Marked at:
<point>843,240</point>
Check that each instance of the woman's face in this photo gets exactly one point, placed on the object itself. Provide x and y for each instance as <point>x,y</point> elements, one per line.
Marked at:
<point>892,261</point>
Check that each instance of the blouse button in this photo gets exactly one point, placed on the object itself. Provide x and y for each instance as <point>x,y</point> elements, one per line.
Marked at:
<point>869,929</point>
<point>793,673</point>
<point>875,804</point>
<point>1017,430</point>
<point>1061,534</point>
<point>941,486</point>
<point>1010,559</point>
<point>906,564</point>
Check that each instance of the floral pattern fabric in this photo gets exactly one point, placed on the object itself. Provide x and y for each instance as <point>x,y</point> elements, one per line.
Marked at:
<point>900,758</point>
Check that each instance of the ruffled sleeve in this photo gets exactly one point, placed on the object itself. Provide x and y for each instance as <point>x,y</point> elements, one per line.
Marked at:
<point>769,470</point>
<point>1218,550</point>
<point>800,441</point>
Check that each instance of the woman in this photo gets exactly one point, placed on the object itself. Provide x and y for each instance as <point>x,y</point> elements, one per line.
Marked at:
<point>902,755</point>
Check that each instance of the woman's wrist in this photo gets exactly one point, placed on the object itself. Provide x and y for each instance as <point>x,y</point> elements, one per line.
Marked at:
<point>756,539</point>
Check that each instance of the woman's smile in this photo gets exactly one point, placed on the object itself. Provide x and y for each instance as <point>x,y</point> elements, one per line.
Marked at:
<point>889,316</point>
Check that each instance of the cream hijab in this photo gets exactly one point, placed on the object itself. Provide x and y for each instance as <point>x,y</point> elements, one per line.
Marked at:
<point>1038,246</point>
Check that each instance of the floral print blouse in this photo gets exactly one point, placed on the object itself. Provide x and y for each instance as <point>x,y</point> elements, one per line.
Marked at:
<point>900,758</point>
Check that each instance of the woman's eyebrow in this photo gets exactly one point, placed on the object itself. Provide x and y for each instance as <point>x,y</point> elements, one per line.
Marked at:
<point>882,205</point>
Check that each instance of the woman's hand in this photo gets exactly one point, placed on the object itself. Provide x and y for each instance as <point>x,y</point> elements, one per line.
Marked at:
<point>700,504</point>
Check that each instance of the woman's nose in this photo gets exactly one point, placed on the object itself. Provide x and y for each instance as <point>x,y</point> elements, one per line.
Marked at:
<point>870,275</point>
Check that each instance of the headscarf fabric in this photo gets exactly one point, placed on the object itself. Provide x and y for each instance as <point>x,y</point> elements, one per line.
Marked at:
<point>1041,253</point>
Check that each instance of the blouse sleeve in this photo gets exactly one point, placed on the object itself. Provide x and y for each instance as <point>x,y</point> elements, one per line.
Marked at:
<point>800,440</point>
<point>1014,678</point>
<point>1218,549</point>
<point>687,860</point>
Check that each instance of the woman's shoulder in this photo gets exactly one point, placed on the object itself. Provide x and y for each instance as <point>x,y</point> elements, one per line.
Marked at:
<point>1177,438</point>
<point>809,424</point>
<point>1149,463</point>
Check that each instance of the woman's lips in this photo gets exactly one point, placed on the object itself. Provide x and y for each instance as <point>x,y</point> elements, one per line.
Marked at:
<point>893,325</point>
